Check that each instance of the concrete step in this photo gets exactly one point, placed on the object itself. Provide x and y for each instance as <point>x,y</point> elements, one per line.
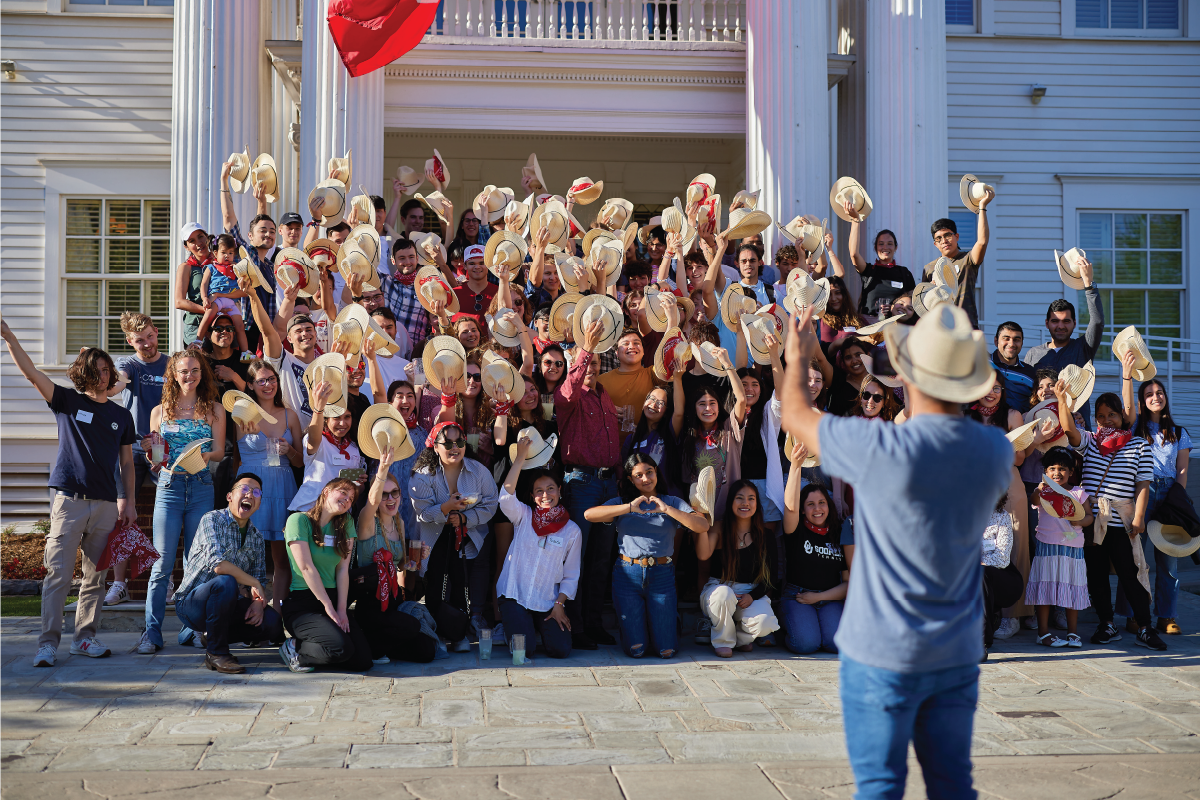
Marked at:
<point>123,617</point>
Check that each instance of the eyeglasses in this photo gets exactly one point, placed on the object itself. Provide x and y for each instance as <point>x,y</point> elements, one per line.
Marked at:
<point>453,444</point>
<point>474,376</point>
<point>655,404</point>
<point>222,329</point>
<point>250,490</point>
<point>944,239</point>
<point>267,381</point>
<point>871,397</point>
<point>392,495</point>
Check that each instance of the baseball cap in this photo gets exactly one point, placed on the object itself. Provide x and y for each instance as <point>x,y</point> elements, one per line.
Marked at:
<point>291,218</point>
<point>474,251</point>
<point>188,228</point>
<point>299,319</point>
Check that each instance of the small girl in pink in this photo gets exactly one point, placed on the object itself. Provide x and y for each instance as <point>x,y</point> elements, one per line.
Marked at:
<point>1058,574</point>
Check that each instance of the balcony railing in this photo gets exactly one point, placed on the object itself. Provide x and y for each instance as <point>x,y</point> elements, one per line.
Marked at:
<point>670,24</point>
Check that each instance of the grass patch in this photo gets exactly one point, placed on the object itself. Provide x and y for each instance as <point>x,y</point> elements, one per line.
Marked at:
<point>25,605</point>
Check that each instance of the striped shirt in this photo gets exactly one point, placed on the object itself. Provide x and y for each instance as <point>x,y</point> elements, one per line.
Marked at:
<point>1119,472</point>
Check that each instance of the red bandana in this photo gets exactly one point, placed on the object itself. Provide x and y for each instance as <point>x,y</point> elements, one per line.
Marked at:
<point>550,520</point>
<point>431,439</point>
<point>817,529</point>
<point>343,444</point>
<point>192,261</point>
<point>1063,506</point>
<point>540,344</point>
<point>410,419</point>
<point>1110,440</point>
<point>387,587</point>
<point>224,269</point>
<point>985,410</point>
<point>405,280</point>
<point>128,543</point>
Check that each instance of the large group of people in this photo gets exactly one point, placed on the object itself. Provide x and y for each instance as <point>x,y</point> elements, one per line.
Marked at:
<point>382,441</point>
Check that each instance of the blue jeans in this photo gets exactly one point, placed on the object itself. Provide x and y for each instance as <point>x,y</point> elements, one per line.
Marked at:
<point>181,501</point>
<point>556,642</point>
<point>883,711</point>
<point>1166,568</point>
<point>645,599</point>
<point>584,491</point>
<point>218,609</point>
<point>809,627</point>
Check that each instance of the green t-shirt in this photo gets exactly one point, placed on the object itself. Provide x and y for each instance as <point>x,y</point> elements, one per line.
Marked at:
<point>326,559</point>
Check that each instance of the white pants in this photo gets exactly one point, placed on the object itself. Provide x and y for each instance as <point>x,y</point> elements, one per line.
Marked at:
<point>733,626</point>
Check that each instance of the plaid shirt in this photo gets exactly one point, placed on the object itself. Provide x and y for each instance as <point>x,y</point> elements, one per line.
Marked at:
<point>267,267</point>
<point>219,539</point>
<point>403,302</point>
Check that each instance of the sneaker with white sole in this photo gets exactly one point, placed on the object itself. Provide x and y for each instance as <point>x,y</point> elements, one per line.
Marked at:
<point>145,647</point>
<point>46,656</point>
<point>1060,618</point>
<point>90,647</point>
<point>1105,633</point>
<point>1029,623</point>
<point>463,645</point>
<point>170,593</point>
<point>498,635</point>
<point>117,593</point>
<point>1073,640</point>
<point>1148,637</point>
<point>703,630</point>
<point>381,660</point>
<point>290,658</point>
<point>1009,626</point>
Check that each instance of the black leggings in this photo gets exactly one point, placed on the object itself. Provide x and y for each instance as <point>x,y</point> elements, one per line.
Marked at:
<point>1001,588</point>
<point>319,640</point>
<point>391,633</point>
<point>1118,549</point>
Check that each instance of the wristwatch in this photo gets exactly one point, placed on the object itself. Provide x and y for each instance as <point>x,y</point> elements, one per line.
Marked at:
<point>356,299</point>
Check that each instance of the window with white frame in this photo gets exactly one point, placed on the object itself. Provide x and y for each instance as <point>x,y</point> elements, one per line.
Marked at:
<point>1139,259</point>
<point>960,16</point>
<point>159,6</point>
<point>968,232</point>
<point>117,258</point>
<point>1148,15</point>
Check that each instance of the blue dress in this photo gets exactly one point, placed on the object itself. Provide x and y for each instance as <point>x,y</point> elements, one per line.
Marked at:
<point>279,483</point>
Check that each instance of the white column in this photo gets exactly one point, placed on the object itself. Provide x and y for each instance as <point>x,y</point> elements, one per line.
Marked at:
<point>283,111</point>
<point>214,112</point>
<point>787,108</point>
<point>337,112</point>
<point>906,123</point>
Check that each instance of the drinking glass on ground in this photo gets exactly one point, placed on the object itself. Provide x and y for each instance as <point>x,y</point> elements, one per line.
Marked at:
<point>517,644</point>
<point>485,644</point>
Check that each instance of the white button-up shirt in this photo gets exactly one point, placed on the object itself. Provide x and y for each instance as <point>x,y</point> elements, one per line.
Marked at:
<point>538,568</point>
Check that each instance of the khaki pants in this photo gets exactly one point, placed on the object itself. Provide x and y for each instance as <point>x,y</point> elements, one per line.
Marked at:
<point>74,524</point>
<point>733,626</point>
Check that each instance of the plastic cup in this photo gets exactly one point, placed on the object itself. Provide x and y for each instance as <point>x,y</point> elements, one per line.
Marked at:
<point>158,452</point>
<point>473,441</point>
<point>485,644</point>
<point>548,406</point>
<point>418,376</point>
<point>517,644</point>
<point>273,459</point>
<point>415,552</point>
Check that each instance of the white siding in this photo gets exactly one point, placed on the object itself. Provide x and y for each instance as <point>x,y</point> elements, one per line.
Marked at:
<point>1027,17</point>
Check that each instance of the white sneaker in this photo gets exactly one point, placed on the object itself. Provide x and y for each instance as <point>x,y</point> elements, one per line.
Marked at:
<point>498,637</point>
<point>117,593</point>
<point>704,630</point>
<point>287,652</point>
<point>1008,627</point>
<point>1029,623</point>
<point>1060,619</point>
<point>90,648</point>
<point>146,647</point>
<point>381,660</point>
<point>170,593</point>
<point>463,645</point>
<point>46,656</point>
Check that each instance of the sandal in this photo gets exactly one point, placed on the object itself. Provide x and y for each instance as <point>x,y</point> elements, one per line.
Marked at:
<point>1050,640</point>
<point>1073,640</point>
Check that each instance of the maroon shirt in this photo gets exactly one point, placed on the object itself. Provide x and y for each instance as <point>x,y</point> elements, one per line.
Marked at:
<point>589,431</point>
<point>469,302</point>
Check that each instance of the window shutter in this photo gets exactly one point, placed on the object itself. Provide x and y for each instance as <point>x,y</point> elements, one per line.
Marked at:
<point>1162,14</point>
<point>960,12</point>
<point>1091,13</point>
<point>1126,13</point>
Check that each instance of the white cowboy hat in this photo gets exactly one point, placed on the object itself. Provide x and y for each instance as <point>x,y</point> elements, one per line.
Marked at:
<point>756,329</point>
<point>778,318</point>
<point>803,291</point>
<point>702,495</point>
<point>1068,267</point>
<point>673,218</point>
<point>1129,339</point>
<point>876,327</point>
<point>561,314</point>
<point>971,190</point>
<point>744,199</point>
<point>700,188</point>
<point>943,273</point>
<point>264,172</point>
<point>849,189</point>
<point>293,267</point>
<point>490,203</point>
<point>1078,511</point>
<point>745,222</point>
<point>609,255</point>
<point>239,173</point>
<point>410,179</point>
<point>672,355</point>
<point>736,301</point>
<point>436,170</point>
<point>1021,437</point>
<point>362,209</point>
<point>607,310</point>
<point>444,356</point>
<point>704,353</point>
<point>540,450</point>
<point>565,266</point>
<point>551,215</point>
<point>615,213</point>
<point>1172,540</point>
<point>356,323</point>
<point>928,296</point>
<point>331,368</point>
<point>192,460</point>
<point>942,356</point>
<point>789,444</point>
<point>654,311</point>
<point>382,426</point>
<point>427,244</point>
<point>1047,409</point>
<point>431,285</point>
<point>517,214</point>
<point>595,235</point>
<point>322,252</point>
<point>1080,382</point>
<point>505,247</point>
<point>244,408</point>
<point>366,239</point>
<point>341,168</point>
<point>353,260</point>
<point>246,267</point>
<point>504,333</point>
<point>533,172</point>
<point>499,374</point>
<point>437,203</point>
<point>643,234</point>
<point>331,194</point>
<point>585,190</point>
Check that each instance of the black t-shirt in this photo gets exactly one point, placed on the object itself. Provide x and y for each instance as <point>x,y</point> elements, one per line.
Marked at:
<point>358,405</point>
<point>843,395</point>
<point>748,566</point>
<point>234,362</point>
<point>883,281</point>
<point>754,454</point>
<point>814,562</point>
<point>90,438</point>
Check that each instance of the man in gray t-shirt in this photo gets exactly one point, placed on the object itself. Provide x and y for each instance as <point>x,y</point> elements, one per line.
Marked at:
<point>911,635</point>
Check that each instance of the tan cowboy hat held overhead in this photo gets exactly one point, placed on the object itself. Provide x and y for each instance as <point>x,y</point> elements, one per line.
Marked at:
<point>561,315</point>
<point>643,234</point>
<point>354,316</point>
<point>745,222</point>
<point>341,168</point>
<point>705,353</point>
<point>942,356</point>
<point>572,273</point>
<point>264,172</point>
<point>445,362</point>
<point>428,245</point>
<point>848,189</point>
<point>608,311</point>
<point>410,180</point>
<point>532,173</point>
<point>1068,267</point>
<point>244,408</point>
<point>327,200</point>
<point>540,450</point>
<point>1172,540</point>
<point>672,355</point>
<point>1021,437</point>
<point>585,190</point>
<point>1078,511</point>
<point>615,213</point>
<point>1129,339</point>
<point>516,216</point>
<point>744,199</point>
<point>971,191</point>
<point>322,252</point>
<point>701,187</point>
<point>330,368</point>
<point>504,332</point>
<point>490,203</point>
<point>928,296</point>
<point>245,267</point>
<point>366,238</point>
<point>362,209</point>
<point>609,256</point>
<point>702,494</point>
<point>192,460</point>
<point>382,427</point>
<point>505,247</point>
<point>498,375</point>
<point>239,173</point>
<point>437,171</point>
<point>551,215</point>
<point>757,329</point>
<point>810,460</point>
<point>293,267</point>
<point>1080,382</point>
<point>431,286</point>
<point>943,273</point>
<point>438,204</point>
<point>734,303</point>
<point>803,292</point>
<point>352,260</point>
<point>654,310</point>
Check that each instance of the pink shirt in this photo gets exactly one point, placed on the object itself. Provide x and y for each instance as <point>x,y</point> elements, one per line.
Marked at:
<point>1053,530</point>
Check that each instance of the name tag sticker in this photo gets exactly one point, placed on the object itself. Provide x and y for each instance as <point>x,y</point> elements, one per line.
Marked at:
<point>330,541</point>
<point>896,284</point>
<point>83,416</point>
<point>158,378</point>
<point>170,427</point>
<point>557,541</point>
<point>849,329</point>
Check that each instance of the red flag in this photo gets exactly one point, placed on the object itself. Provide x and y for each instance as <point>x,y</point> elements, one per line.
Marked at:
<point>370,34</point>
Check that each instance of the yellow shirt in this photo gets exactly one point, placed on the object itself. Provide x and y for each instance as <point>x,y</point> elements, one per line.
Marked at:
<point>629,388</point>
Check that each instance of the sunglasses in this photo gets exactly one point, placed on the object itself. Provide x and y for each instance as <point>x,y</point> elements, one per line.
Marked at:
<point>555,364</point>
<point>871,397</point>
<point>474,376</point>
<point>453,444</point>
<point>223,328</point>
<point>392,495</point>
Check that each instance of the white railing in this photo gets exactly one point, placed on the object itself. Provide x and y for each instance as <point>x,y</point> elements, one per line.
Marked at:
<point>669,22</point>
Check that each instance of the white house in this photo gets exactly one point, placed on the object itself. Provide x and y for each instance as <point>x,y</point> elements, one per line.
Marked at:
<point>1085,115</point>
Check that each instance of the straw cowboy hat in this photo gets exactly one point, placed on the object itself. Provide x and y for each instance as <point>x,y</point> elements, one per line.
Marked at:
<point>328,201</point>
<point>876,327</point>
<point>971,190</point>
<point>654,310</point>
<point>673,218</point>
<point>615,213</point>
<point>322,252</point>
<point>609,255</point>
<point>744,199</point>
<point>585,190</point>
<point>540,450</point>
<point>331,368</point>
<point>701,188</point>
<point>1078,511</point>
<point>1021,437</point>
<point>444,357</point>
<point>366,238</point>
<point>1068,267</point>
<point>427,245</point>
<point>607,310</point>
<point>709,213</point>
<point>1172,540</point>
<point>354,323</point>
<point>191,460</point>
<point>1047,409</point>
<point>757,329</point>
<point>745,222</point>
<point>848,189</point>
<point>264,172</point>
<point>705,353</point>
<point>293,267</point>
<point>643,234</point>
<point>516,216</point>
<point>594,235</point>
<point>499,375</point>
<point>505,333</point>
<point>1129,339</point>
<point>505,247</point>
<point>382,427</point>
<point>927,296</point>
<point>362,209</point>
<point>436,170</point>
<point>410,179</point>
<point>239,173</point>
<point>803,291</point>
<point>942,356</point>
<point>561,315</point>
<point>806,235</point>
<point>565,266</point>
<point>551,215</point>
<point>243,407</point>
<point>341,168</point>
<point>1080,382</point>
<point>352,260</point>
<point>778,318</point>
<point>702,495</point>
<point>245,267</point>
<point>490,203</point>
<point>790,443</point>
<point>735,302</point>
<point>671,355</point>
<point>431,285</point>
<point>532,172</point>
<point>438,204</point>
<point>943,273</point>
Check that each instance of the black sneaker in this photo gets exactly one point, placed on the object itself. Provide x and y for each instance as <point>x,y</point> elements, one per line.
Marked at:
<point>1148,637</point>
<point>1106,633</point>
<point>581,641</point>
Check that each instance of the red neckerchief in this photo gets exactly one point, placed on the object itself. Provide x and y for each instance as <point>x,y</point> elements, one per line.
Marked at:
<point>224,269</point>
<point>550,520</point>
<point>985,410</point>
<point>1110,440</point>
<point>1062,506</point>
<point>128,543</point>
<point>343,444</point>
<point>405,280</point>
<point>410,419</point>
<point>879,263</point>
<point>387,587</point>
<point>712,438</point>
<point>541,344</point>
<point>192,261</point>
<point>817,529</point>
